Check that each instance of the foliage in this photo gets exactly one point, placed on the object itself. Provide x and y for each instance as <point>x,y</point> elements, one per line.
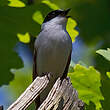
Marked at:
<point>89,90</point>
<point>108,74</point>
<point>93,18</point>
<point>50,4</point>
<point>16,3</point>
<point>38,17</point>
<point>9,26</point>
<point>106,80</point>
<point>104,53</point>
<point>24,37</point>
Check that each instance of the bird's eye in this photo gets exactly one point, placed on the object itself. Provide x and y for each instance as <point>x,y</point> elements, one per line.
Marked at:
<point>48,16</point>
<point>53,13</point>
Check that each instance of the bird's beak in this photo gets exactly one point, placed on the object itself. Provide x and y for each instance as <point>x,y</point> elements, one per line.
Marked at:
<point>65,13</point>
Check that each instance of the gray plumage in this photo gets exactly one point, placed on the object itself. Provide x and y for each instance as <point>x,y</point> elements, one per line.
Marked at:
<point>53,48</point>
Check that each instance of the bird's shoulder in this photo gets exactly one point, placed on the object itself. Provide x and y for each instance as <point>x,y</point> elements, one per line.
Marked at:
<point>61,36</point>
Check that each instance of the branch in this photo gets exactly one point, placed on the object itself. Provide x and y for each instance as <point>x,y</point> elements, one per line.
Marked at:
<point>61,97</point>
<point>30,94</point>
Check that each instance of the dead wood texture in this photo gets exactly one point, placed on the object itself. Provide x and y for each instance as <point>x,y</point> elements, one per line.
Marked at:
<point>1,107</point>
<point>61,97</point>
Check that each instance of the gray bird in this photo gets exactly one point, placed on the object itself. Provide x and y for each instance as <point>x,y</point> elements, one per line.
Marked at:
<point>52,49</point>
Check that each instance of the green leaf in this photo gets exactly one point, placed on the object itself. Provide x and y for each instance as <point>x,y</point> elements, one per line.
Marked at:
<point>108,74</point>
<point>25,38</point>
<point>104,53</point>
<point>105,88</point>
<point>71,24</point>
<point>50,4</point>
<point>13,21</point>
<point>16,3</point>
<point>87,82</point>
<point>38,17</point>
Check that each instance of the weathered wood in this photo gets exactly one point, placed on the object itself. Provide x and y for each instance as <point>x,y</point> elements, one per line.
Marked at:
<point>30,94</point>
<point>61,97</point>
<point>1,107</point>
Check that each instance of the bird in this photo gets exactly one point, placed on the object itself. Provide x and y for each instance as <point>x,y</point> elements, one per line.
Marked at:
<point>52,49</point>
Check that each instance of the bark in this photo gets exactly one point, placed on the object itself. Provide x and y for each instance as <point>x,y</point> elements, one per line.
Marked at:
<point>1,107</point>
<point>61,97</point>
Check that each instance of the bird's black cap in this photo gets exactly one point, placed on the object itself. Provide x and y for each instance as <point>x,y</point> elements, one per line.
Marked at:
<point>55,13</point>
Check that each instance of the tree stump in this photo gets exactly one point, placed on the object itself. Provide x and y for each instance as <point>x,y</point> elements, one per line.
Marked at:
<point>61,97</point>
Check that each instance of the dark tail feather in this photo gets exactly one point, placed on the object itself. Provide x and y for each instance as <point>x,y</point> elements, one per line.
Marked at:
<point>67,67</point>
<point>37,100</point>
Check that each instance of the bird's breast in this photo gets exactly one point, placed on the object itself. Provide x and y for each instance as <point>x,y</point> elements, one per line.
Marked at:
<point>53,52</point>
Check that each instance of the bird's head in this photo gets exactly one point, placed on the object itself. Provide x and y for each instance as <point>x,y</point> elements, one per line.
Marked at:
<point>55,17</point>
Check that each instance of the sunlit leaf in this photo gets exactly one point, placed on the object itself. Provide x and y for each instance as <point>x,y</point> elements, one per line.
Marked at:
<point>71,24</point>
<point>87,82</point>
<point>16,3</point>
<point>25,38</point>
<point>104,53</point>
<point>37,16</point>
<point>108,74</point>
<point>50,4</point>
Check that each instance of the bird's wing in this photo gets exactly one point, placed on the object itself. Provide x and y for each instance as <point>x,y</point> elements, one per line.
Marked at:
<point>35,64</point>
<point>67,66</point>
<point>35,74</point>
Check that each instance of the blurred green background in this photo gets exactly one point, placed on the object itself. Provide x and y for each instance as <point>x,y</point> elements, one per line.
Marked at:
<point>18,17</point>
